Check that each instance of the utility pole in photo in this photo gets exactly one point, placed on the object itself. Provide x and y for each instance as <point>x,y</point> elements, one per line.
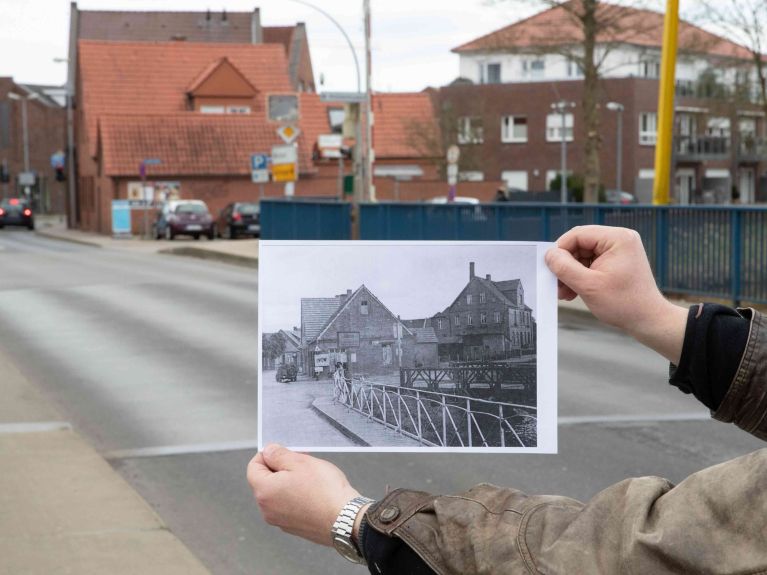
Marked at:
<point>369,118</point>
<point>562,108</point>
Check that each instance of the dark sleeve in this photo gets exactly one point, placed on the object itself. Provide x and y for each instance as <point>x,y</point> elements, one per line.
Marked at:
<point>714,342</point>
<point>390,555</point>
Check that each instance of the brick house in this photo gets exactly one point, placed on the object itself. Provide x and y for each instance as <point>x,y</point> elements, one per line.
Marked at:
<point>359,326</point>
<point>512,76</point>
<point>488,319</point>
<point>46,126</point>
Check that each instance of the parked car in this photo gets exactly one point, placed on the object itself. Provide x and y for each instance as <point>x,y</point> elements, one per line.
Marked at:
<point>184,218</point>
<point>238,220</point>
<point>619,197</point>
<point>287,372</point>
<point>16,212</point>
<point>457,200</point>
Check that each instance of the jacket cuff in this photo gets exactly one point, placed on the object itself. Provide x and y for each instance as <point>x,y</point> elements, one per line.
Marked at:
<point>745,403</point>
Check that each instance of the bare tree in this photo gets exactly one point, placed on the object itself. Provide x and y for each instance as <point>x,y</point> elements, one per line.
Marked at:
<point>586,32</point>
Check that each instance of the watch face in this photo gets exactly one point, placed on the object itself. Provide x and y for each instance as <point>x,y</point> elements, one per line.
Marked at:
<point>347,549</point>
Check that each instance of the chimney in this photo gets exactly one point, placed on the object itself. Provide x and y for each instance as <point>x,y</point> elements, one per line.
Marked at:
<point>488,278</point>
<point>348,293</point>
<point>223,15</point>
<point>256,32</point>
<point>471,271</point>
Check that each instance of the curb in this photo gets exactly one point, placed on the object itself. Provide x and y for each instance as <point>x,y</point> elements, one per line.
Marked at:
<point>79,241</point>
<point>201,253</point>
<point>340,426</point>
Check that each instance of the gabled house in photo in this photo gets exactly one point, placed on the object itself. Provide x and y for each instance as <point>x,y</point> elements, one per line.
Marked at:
<point>359,327</point>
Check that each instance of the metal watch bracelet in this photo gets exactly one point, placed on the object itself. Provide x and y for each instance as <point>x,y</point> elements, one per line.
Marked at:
<point>344,526</point>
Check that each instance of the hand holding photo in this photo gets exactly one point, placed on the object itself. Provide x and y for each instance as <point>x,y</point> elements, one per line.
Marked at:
<point>407,346</point>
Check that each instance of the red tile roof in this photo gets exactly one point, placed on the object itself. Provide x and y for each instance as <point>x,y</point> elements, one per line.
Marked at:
<point>187,144</point>
<point>557,26</point>
<point>153,78</point>
<point>396,117</point>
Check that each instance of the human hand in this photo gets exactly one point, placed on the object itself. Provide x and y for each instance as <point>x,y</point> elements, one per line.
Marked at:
<point>608,268</point>
<point>300,494</point>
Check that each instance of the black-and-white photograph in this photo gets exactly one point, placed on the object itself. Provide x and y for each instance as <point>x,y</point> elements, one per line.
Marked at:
<point>401,346</point>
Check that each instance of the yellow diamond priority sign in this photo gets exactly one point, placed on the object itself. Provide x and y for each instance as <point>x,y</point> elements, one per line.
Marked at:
<point>289,134</point>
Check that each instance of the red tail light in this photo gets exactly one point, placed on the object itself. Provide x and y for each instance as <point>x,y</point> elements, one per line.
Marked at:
<point>15,202</point>
<point>236,216</point>
<point>27,212</point>
<point>2,211</point>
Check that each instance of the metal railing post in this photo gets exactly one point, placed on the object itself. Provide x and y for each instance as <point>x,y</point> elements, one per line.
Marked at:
<point>418,406</point>
<point>399,409</point>
<point>662,246</point>
<point>736,246</point>
<point>500,426</point>
<point>444,422</point>
<point>468,418</point>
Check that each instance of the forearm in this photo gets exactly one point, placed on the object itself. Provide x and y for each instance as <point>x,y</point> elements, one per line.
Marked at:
<point>663,330</point>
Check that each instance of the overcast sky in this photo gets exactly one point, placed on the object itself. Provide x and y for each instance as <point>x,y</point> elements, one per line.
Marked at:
<point>412,281</point>
<point>412,39</point>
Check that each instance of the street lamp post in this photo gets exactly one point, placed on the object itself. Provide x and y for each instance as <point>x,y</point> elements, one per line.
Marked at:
<point>561,107</point>
<point>25,126</point>
<point>616,107</point>
<point>71,190</point>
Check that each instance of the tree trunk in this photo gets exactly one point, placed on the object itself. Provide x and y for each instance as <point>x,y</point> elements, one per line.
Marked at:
<point>591,172</point>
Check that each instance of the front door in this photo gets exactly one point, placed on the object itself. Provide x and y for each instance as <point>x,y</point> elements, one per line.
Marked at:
<point>685,186</point>
<point>747,187</point>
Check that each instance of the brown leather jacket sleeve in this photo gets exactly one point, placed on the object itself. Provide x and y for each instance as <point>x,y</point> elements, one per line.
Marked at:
<point>745,404</point>
<point>714,522</point>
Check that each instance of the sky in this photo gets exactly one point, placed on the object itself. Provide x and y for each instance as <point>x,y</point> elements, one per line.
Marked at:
<point>412,281</point>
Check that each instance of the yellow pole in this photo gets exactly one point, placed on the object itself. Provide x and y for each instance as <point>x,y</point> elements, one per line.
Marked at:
<point>664,145</point>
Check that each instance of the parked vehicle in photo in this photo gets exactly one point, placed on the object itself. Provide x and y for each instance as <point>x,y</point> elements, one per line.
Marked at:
<point>184,218</point>
<point>620,197</point>
<point>287,372</point>
<point>238,220</point>
<point>16,212</point>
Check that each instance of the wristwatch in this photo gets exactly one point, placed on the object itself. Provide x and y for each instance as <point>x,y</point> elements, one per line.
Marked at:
<point>343,527</point>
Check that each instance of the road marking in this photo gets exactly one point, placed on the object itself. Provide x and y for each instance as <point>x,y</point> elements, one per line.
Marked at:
<point>194,448</point>
<point>652,418</point>
<point>34,427</point>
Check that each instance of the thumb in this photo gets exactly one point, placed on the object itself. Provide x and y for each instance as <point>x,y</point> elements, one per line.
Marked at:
<point>568,270</point>
<point>279,458</point>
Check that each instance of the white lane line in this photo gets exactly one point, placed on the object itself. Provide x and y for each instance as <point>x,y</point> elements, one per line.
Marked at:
<point>195,448</point>
<point>639,418</point>
<point>34,427</point>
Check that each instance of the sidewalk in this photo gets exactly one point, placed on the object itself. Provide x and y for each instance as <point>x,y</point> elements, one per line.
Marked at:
<point>239,252</point>
<point>63,509</point>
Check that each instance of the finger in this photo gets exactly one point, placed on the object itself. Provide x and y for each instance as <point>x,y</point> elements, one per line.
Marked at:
<point>586,240</point>
<point>568,270</point>
<point>565,293</point>
<point>258,470</point>
<point>279,458</point>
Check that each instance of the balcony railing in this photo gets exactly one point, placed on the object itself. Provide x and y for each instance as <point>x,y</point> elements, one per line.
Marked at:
<point>702,148</point>
<point>752,149</point>
<point>717,91</point>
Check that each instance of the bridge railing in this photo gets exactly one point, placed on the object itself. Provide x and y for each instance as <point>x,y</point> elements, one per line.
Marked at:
<point>440,419</point>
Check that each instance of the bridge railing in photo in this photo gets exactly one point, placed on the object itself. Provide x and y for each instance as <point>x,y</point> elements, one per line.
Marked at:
<point>437,419</point>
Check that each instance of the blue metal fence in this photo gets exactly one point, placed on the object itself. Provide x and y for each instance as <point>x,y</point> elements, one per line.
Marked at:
<point>305,220</point>
<point>707,251</point>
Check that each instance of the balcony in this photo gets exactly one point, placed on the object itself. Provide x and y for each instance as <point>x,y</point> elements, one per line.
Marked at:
<point>714,90</point>
<point>752,150</point>
<point>701,148</point>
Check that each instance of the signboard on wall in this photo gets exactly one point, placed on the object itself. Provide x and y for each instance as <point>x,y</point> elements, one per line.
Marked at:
<point>142,194</point>
<point>348,339</point>
<point>121,218</point>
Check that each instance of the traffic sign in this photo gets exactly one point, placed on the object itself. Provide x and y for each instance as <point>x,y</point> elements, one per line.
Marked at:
<point>330,145</point>
<point>284,172</point>
<point>344,97</point>
<point>284,155</point>
<point>259,176</point>
<point>452,174</point>
<point>27,178</point>
<point>289,134</point>
<point>453,154</point>
<point>259,161</point>
<point>58,159</point>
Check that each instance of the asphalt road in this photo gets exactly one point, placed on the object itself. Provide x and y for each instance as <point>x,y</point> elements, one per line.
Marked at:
<point>152,358</point>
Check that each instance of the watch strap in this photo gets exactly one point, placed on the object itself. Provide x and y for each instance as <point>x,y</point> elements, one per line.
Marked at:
<point>344,525</point>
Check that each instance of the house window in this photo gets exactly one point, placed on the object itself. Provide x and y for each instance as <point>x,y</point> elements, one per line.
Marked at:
<point>515,180</point>
<point>336,117</point>
<point>213,109</point>
<point>554,127</point>
<point>718,127</point>
<point>497,317</point>
<point>470,130</point>
<point>483,318</point>
<point>534,68</point>
<point>457,320</point>
<point>513,129</point>
<point>574,69</point>
<point>649,68</point>
<point>469,319</point>
<point>493,73</point>
<point>387,353</point>
<point>439,323</point>
<point>471,176</point>
<point>238,109</point>
<point>364,307</point>
<point>468,299</point>
<point>648,128</point>
<point>482,297</point>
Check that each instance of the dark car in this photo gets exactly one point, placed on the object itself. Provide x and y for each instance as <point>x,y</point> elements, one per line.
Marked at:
<point>239,220</point>
<point>184,218</point>
<point>287,372</point>
<point>16,212</point>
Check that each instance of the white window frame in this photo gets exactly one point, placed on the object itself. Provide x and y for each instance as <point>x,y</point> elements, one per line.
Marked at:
<point>508,125</point>
<point>514,179</point>
<point>574,69</point>
<point>470,130</point>
<point>469,299</point>
<point>648,128</point>
<point>482,297</point>
<point>534,68</point>
<point>719,127</point>
<point>471,176</point>
<point>439,323</point>
<point>649,68</point>
<point>457,320</point>
<point>482,318</point>
<point>469,319</point>
<point>497,317</point>
<point>554,127</point>
<point>486,79</point>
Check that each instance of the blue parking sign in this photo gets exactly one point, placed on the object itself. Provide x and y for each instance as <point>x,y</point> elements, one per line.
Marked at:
<point>259,162</point>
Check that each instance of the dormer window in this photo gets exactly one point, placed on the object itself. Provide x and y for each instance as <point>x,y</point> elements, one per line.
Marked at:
<point>221,88</point>
<point>364,307</point>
